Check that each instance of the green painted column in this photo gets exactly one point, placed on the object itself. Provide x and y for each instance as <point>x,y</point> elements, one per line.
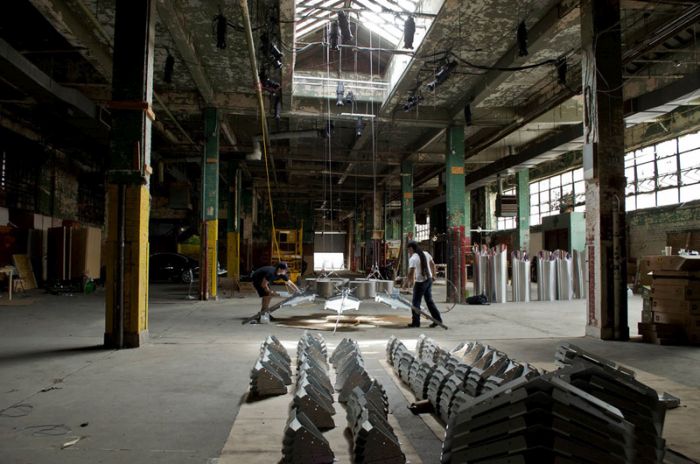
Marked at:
<point>408,218</point>
<point>456,211</point>
<point>522,179</point>
<point>233,223</point>
<point>210,206</point>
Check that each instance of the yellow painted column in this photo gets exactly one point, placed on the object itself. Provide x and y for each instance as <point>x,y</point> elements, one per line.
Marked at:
<point>212,231</point>
<point>135,283</point>
<point>233,247</point>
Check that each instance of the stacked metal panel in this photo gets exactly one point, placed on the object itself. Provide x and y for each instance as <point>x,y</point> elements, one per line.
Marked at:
<point>580,274</point>
<point>617,386</point>
<point>314,393</point>
<point>448,379</point>
<point>491,272</point>
<point>565,275</point>
<point>304,443</point>
<point>521,276</point>
<point>272,371</point>
<point>367,406</point>
<point>541,420</point>
<point>546,276</point>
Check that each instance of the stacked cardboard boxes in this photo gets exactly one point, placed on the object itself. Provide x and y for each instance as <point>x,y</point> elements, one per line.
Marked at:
<point>671,312</point>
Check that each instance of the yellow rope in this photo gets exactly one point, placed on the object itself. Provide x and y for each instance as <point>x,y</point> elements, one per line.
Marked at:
<point>275,244</point>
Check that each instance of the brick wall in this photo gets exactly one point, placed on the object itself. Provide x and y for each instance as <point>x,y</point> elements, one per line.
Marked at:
<point>648,228</point>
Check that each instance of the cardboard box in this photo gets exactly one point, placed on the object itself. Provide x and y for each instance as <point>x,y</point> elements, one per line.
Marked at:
<point>670,318</point>
<point>675,290</point>
<point>675,306</point>
<point>672,263</point>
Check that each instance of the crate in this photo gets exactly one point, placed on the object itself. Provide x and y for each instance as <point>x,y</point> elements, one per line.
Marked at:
<point>676,289</point>
<point>675,306</point>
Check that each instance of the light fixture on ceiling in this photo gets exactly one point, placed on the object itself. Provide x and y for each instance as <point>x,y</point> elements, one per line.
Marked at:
<point>521,37</point>
<point>268,85</point>
<point>340,94</point>
<point>349,98</point>
<point>169,68</point>
<point>441,75</point>
<point>344,24</point>
<point>332,35</point>
<point>412,102</point>
<point>467,115</point>
<point>276,56</point>
<point>359,127</point>
<point>220,25</point>
<point>409,31</point>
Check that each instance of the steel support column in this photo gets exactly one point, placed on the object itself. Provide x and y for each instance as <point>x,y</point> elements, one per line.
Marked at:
<point>603,159</point>
<point>209,206</point>
<point>233,224</point>
<point>408,218</point>
<point>522,179</point>
<point>456,213</point>
<point>128,197</point>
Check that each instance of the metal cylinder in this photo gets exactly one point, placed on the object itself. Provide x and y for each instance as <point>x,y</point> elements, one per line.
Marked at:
<point>546,277</point>
<point>521,277</point>
<point>383,286</point>
<point>310,283</point>
<point>364,289</point>
<point>499,274</point>
<point>327,288</point>
<point>565,272</point>
<point>580,274</point>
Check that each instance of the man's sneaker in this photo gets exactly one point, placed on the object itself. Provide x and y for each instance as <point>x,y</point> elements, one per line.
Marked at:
<point>433,325</point>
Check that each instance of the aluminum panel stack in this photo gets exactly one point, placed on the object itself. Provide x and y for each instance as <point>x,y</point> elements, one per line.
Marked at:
<point>540,420</point>
<point>546,276</point>
<point>367,406</point>
<point>303,442</point>
<point>521,276</point>
<point>272,371</point>
<point>314,393</point>
<point>565,275</point>
<point>580,274</point>
<point>481,269</point>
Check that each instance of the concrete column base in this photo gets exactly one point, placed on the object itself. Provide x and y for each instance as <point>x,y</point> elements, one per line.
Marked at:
<point>131,340</point>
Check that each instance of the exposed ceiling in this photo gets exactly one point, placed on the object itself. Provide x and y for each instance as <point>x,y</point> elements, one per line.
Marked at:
<point>512,112</point>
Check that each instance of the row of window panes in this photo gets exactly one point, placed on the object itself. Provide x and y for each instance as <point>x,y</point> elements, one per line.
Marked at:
<point>423,231</point>
<point>658,175</point>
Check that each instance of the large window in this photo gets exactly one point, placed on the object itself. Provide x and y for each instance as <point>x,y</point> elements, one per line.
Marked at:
<point>505,223</point>
<point>555,194</point>
<point>423,230</point>
<point>663,174</point>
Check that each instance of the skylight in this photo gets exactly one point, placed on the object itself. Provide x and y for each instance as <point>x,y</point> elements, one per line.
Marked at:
<point>383,17</point>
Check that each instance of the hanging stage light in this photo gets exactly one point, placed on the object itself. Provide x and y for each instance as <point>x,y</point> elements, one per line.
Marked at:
<point>332,34</point>
<point>467,115</point>
<point>340,94</point>
<point>441,75</point>
<point>278,106</point>
<point>350,98</point>
<point>562,68</point>
<point>344,24</point>
<point>409,30</point>
<point>169,68</point>
<point>412,102</point>
<point>328,130</point>
<point>220,23</point>
<point>268,84</point>
<point>522,39</point>
<point>359,126</point>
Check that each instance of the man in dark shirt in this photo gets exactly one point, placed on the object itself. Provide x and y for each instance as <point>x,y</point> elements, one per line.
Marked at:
<point>264,276</point>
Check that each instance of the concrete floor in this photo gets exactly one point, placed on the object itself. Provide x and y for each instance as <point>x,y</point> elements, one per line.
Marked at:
<point>175,400</point>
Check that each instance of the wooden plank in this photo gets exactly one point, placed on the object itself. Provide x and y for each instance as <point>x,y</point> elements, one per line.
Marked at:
<point>25,271</point>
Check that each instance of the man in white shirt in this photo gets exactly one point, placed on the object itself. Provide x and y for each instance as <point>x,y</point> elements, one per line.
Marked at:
<point>421,269</point>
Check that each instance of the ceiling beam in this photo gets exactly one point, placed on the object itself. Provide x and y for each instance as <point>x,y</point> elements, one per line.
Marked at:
<point>90,42</point>
<point>560,17</point>
<point>175,23</point>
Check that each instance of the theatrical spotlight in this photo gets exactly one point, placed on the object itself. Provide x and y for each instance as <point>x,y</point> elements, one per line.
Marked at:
<point>276,56</point>
<point>412,102</point>
<point>332,34</point>
<point>220,26</point>
<point>169,68</point>
<point>359,127</point>
<point>349,98</point>
<point>521,37</point>
<point>409,30</point>
<point>340,94</point>
<point>467,115</point>
<point>441,75</point>
<point>344,24</point>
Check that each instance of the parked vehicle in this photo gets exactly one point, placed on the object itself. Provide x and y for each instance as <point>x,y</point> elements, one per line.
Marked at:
<point>175,267</point>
